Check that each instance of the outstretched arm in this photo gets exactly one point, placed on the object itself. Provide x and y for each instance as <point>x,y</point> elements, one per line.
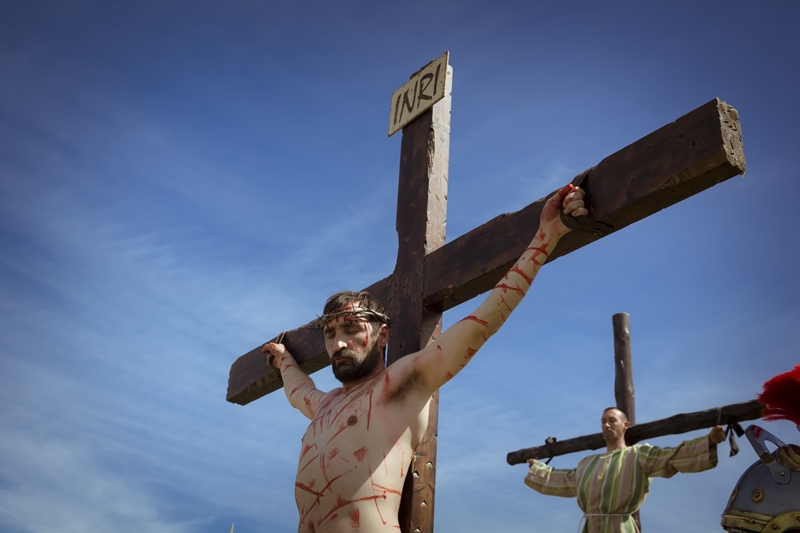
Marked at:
<point>694,455</point>
<point>550,481</point>
<point>453,349</point>
<point>299,388</point>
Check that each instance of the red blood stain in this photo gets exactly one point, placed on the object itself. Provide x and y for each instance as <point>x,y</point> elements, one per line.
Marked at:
<point>336,434</point>
<point>385,489</point>
<point>334,453</point>
<point>448,376</point>
<point>541,249</point>
<point>306,512</point>
<point>385,465</point>
<point>504,287</point>
<point>306,450</point>
<point>339,412</point>
<point>402,462</point>
<point>505,303</point>
<point>475,319</point>
<point>308,463</point>
<point>341,502</point>
<point>324,472</point>
<point>361,453</point>
<point>307,489</point>
<point>355,518</point>
<point>369,408</point>
<point>471,352</point>
<point>328,486</point>
<point>307,402</point>
<point>517,270</point>
<point>296,389</point>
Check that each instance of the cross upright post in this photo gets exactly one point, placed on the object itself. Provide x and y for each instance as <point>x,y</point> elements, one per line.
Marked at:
<point>623,366</point>
<point>623,374</point>
<point>421,223</point>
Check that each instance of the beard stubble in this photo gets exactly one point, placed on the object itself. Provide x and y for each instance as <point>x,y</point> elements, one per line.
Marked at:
<point>350,369</point>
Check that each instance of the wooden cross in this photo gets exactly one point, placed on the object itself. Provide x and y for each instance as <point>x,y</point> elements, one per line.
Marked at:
<point>697,151</point>
<point>626,402</point>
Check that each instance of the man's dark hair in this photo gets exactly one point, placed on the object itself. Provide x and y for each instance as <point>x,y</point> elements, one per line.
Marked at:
<point>624,416</point>
<point>365,299</point>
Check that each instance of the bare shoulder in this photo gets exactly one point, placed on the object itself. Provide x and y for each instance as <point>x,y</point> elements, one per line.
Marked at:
<point>405,379</point>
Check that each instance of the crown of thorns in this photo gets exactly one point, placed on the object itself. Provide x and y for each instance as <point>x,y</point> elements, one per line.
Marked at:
<point>360,312</point>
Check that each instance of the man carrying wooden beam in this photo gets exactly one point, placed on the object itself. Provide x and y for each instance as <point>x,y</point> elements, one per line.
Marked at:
<point>610,487</point>
<point>356,452</point>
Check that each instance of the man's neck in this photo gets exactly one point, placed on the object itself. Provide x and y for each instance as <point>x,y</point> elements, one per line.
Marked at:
<point>616,445</point>
<point>350,385</point>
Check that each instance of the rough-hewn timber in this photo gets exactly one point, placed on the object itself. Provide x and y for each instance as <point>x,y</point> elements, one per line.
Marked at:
<point>673,425</point>
<point>679,160</point>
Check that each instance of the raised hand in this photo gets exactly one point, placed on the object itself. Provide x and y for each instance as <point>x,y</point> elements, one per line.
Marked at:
<point>275,353</point>
<point>570,199</point>
<point>717,435</point>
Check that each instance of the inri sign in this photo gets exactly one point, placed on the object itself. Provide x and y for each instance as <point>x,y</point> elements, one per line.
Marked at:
<point>424,89</point>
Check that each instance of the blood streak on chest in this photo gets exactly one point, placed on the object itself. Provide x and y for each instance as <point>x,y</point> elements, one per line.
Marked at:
<point>355,518</point>
<point>361,453</point>
<point>330,429</point>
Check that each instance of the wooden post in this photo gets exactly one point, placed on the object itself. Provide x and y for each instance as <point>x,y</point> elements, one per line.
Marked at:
<point>623,366</point>
<point>623,374</point>
<point>421,216</point>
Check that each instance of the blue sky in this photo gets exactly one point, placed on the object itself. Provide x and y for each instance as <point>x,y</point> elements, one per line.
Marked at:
<point>179,181</point>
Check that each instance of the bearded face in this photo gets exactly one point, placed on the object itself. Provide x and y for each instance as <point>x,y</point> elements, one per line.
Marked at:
<point>347,368</point>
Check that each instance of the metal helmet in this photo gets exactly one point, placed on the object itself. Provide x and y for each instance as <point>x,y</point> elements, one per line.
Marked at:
<point>767,496</point>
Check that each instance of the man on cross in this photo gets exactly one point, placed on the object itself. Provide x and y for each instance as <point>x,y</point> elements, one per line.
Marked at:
<point>610,487</point>
<point>357,450</point>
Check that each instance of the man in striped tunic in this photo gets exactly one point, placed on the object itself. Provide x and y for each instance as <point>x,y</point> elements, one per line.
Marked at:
<point>610,487</point>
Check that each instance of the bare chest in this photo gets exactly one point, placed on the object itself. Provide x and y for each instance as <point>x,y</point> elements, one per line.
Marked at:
<point>352,465</point>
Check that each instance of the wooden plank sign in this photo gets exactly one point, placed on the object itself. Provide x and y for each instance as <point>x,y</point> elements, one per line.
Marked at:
<point>424,89</point>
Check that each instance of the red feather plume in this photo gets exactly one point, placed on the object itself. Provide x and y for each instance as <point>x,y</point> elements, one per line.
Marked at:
<point>781,396</point>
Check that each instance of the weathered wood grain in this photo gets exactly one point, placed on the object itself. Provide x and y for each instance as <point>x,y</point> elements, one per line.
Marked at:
<point>697,151</point>
<point>679,160</point>
<point>673,425</point>
<point>623,366</point>
<point>421,215</point>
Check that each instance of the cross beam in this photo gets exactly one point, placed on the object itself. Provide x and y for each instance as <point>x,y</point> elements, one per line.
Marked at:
<point>680,423</point>
<point>679,160</point>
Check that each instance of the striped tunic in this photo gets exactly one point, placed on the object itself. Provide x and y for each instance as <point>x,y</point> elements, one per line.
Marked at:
<point>613,485</point>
